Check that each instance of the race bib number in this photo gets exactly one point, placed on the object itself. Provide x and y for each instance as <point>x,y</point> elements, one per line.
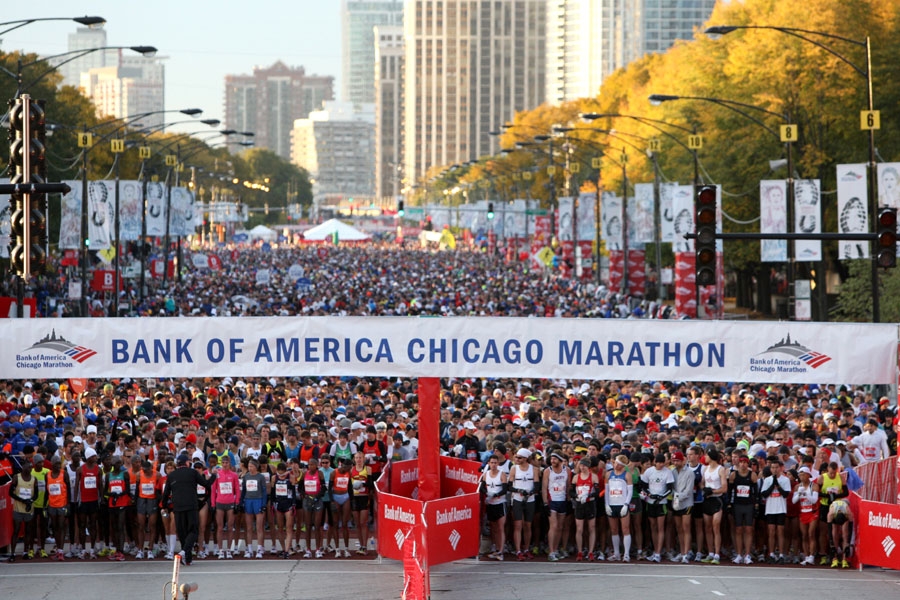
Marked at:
<point>146,489</point>
<point>776,494</point>
<point>55,489</point>
<point>281,489</point>
<point>90,482</point>
<point>311,486</point>
<point>370,458</point>
<point>831,490</point>
<point>616,492</point>
<point>341,483</point>
<point>556,488</point>
<point>25,493</point>
<point>201,491</point>
<point>117,486</point>
<point>252,485</point>
<point>743,491</point>
<point>225,488</point>
<point>870,452</point>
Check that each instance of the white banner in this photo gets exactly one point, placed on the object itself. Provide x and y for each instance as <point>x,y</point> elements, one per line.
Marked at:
<point>449,347</point>
<point>853,216</point>
<point>129,210</point>
<point>565,223</point>
<point>644,231</point>
<point>100,214</point>
<point>889,185</point>
<point>611,218</point>
<point>183,212</point>
<point>667,216</point>
<point>156,209</point>
<point>773,219</point>
<point>807,218</point>
<point>683,219</point>
<point>587,217</point>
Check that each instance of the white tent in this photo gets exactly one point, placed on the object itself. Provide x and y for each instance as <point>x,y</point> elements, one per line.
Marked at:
<point>261,232</point>
<point>345,232</point>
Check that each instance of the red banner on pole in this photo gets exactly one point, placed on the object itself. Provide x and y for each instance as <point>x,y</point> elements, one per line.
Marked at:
<point>429,438</point>
<point>685,290</point>
<point>637,272</point>
<point>459,476</point>
<point>8,307</point>
<point>6,516</point>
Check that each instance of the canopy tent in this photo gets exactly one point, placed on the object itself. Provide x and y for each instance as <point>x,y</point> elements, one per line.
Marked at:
<point>261,232</point>
<point>326,230</point>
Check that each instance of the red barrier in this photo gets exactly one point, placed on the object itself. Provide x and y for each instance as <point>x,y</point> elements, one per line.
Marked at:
<point>6,516</point>
<point>880,480</point>
<point>453,530</point>
<point>878,532</point>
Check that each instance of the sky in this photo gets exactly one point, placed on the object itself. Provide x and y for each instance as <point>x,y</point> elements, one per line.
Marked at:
<point>203,41</point>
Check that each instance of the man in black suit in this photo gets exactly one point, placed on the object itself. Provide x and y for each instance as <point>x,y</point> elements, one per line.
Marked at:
<point>181,491</point>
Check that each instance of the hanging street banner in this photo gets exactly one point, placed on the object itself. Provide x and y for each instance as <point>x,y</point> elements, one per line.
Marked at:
<point>449,347</point>
<point>807,218</point>
<point>773,219</point>
<point>667,217</point>
<point>644,227</point>
<point>611,221</point>
<point>853,216</point>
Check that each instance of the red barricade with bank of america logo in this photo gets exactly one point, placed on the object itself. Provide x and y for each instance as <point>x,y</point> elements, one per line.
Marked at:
<point>876,514</point>
<point>446,529</point>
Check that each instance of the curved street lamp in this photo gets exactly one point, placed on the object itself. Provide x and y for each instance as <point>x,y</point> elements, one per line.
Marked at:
<point>86,21</point>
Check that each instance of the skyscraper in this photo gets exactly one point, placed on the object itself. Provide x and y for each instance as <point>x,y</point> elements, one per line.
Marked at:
<point>336,146</point>
<point>270,100</point>
<point>358,17</point>
<point>133,86</point>
<point>469,66</point>
<point>388,110</point>
<point>84,38</point>
<point>589,39</point>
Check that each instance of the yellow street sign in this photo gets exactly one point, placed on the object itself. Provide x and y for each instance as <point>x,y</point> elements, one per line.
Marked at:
<point>575,167</point>
<point>551,170</point>
<point>117,146</point>
<point>144,152</point>
<point>171,160</point>
<point>870,119</point>
<point>85,140</point>
<point>789,133</point>
<point>596,162</point>
<point>695,142</point>
<point>654,144</point>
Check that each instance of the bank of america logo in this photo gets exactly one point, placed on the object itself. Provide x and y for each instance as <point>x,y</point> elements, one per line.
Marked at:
<point>888,544</point>
<point>63,346</point>
<point>454,538</point>
<point>399,538</point>
<point>799,351</point>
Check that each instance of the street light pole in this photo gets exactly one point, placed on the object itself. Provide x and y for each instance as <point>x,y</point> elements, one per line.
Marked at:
<point>869,120</point>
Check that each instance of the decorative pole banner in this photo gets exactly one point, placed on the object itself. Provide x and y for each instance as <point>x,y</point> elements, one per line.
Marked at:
<point>449,347</point>
<point>807,218</point>
<point>889,188</point>
<point>644,225</point>
<point>773,219</point>
<point>853,216</point>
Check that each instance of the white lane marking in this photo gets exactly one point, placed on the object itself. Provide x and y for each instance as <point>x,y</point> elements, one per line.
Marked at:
<point>694,581</point>
<point>717,593</point>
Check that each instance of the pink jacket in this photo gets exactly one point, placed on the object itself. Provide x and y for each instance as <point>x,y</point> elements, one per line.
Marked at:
<point>226,489</point>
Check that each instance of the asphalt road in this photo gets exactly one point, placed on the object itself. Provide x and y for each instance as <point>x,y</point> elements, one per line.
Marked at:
<point>463,580</point>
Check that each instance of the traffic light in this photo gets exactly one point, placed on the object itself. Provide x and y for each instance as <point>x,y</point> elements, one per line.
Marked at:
<point>705,243</point>
<point>17,247</point>
<point>887,237</point>
<point>490,210</point>
<point>400,208</point>
<point>27,134</point>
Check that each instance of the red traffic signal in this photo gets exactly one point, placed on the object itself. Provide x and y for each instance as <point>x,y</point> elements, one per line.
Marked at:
<point>886,247</point>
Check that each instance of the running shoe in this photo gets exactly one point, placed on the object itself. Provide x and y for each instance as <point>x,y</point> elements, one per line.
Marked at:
<point>626,558</point>
<point>260,553</point>
<point>579,557</point>
<point>319,553</point>
<point>845,564</point>
<point>247,553</point>
<point>748,560</point>
<point>43,553</point>
<point>715,560</point>
<point>707,559</point>
<point>553,557</point>
<point>677,558</point>
<point>228,555</point>
<point>362,551</point>
<point>337,553</point>
<point>346,553</point>
<point>170,556</point>
<point>307,554</point>
<point>221,555</point>
<point>685,560</point>
<point>615,558</point>
<point>150,555</point>
<point>823,561</point>
<point>139,555</point>
<point>30,554</point>
<point>699,557</point>
<point>835,563</point>
<point>520,556</point>
<point>738,559</point>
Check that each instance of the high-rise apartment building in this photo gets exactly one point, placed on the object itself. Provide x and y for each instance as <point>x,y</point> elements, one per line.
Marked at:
<point>358,18</point>
<point>589,39</point>
<point>270,100</point>
<point>389,55</point>
<point>469,66</point>
<point>134,86</point>
<point>336,146</point>
<point>85,38</point>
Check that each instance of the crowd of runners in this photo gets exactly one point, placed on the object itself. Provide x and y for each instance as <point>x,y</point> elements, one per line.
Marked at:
<point>592,470</point>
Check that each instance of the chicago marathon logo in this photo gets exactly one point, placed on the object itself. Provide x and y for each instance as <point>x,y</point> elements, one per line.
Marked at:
<point>73,351</point>
<point>787,356</point>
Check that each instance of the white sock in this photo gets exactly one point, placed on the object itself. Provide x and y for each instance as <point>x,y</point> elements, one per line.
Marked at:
<point>171,539</point>
<point>615,542</point>
<point>627,540</point>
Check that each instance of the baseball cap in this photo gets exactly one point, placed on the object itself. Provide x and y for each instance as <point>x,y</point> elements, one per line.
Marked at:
<point>524,453</point>
<point>91,429</point>
<point>678,456</point>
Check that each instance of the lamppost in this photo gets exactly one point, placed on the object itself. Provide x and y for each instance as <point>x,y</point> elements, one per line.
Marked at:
<point>870,119</point>
<point>787,135</point>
